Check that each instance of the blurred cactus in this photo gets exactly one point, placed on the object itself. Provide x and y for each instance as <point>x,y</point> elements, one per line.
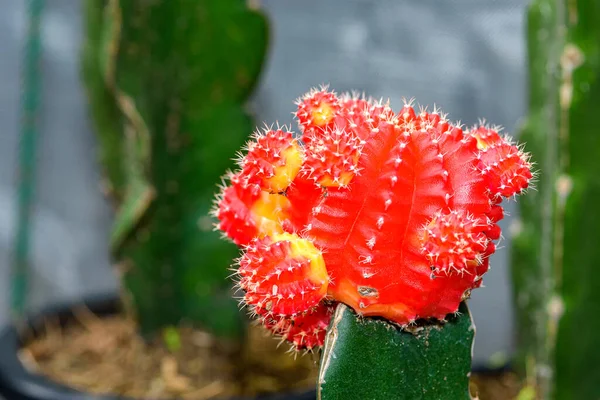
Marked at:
<point>556,248</point>
<point>30,101</point>
<point>167,81</point>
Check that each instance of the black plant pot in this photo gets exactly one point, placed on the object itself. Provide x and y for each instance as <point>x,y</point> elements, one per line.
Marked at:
<point>16,383</point>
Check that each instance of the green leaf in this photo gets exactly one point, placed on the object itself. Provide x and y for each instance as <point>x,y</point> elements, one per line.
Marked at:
<point>370,359</point>
<point>172,339</point>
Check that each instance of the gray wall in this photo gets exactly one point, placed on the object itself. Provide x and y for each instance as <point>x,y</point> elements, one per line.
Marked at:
<point>466,56</point>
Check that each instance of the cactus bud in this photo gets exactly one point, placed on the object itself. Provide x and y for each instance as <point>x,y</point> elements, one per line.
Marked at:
<point>245,211</point>
<point>506,168</point>
<point>454,241</point>
<point>273,160</point>
<point>332,157</point>
<point>232,210</point>
<point>305,331</point>
<point>316,111</point>
<point>283,276</point>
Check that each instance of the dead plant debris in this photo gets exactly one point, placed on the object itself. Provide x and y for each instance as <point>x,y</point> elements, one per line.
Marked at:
<point>107,356</point>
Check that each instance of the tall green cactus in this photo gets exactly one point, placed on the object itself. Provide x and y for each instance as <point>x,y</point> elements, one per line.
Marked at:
<point>167,83</point>
<point>555,255</point>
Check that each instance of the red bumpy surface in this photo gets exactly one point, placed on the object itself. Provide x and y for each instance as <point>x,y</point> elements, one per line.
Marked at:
<point>391,213</point>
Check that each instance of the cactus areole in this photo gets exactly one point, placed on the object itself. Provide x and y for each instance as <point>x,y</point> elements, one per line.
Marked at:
<point>392,213</point>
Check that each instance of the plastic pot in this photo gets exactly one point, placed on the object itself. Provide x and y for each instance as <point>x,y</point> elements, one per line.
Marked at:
<point>17,383</point>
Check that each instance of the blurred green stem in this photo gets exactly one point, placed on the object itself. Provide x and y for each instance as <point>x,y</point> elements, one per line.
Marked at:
<point>30,99</point>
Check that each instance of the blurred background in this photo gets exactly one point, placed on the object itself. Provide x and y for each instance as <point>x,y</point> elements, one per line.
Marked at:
<point>466,56</point>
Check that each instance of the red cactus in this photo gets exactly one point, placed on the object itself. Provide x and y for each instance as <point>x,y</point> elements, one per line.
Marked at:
<point>317,110</point>
<point>392,214</point>
<point>282,276</point>
<point>331,158</point>
<point>454,242</point>
<point>245,211</point>
<point>304,331</point>
<point>273,160</point>
<point>506,167</point>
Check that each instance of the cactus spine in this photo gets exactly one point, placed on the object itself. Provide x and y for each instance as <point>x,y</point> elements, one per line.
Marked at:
<point>555,270</point>
<point>167,81</point>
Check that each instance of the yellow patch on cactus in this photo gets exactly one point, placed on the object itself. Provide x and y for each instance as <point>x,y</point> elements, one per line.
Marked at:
<point>268,212</point>
<point>285,174</point>
<point>304,248</point>
<point>323,115</point>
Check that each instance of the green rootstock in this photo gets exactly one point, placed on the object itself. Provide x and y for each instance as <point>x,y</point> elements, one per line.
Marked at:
<point>556,251</point>
<point>167,82</point>
<point>369,359</point>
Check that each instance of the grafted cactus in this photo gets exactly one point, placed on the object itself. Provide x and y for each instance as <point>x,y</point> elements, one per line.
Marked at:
<point>167,82</point>
<point>391,213</point>
<point>555,268</point>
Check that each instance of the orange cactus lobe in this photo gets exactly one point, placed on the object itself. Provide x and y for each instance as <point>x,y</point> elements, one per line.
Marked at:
<point>506,168</point>
<point>273,160</point>
<point>486,137</point>
<point>393,214</point>
<point>234,213</point>
<point>282,276</point>
<point>364,117</point>
<point>317,110</point>
<point>331,158</point>
<point>246,212</point>
<point>454,242</point>
<point>305,331</point>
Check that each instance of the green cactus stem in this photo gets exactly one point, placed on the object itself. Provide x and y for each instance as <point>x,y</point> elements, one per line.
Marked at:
<point>167,82</point>
<point>365,358</point>
<point>555,243</point>
<point>30,103</point>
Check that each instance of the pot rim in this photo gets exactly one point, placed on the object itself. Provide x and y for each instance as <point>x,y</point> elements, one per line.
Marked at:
<point>17,383</point>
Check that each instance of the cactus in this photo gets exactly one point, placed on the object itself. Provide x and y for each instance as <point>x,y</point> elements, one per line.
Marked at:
<point>167,81</point>
<point>365,359</point>
<point>377,214</point>
<point>554,269</point>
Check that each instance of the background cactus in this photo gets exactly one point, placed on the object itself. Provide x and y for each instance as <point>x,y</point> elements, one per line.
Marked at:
<point>555,248</point>
<point>167,83</point>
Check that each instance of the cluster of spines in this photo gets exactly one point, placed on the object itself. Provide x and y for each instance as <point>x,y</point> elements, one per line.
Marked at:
<point>280,280</point>
<point>233,211</point>
<point>272,160</point>
<point>454,241</point>
<point>321,111</point>
<point>316,112</point>
<point>305,331</point>
<point>285,283</point>
<point>507,167</point>
<point>332,157</point>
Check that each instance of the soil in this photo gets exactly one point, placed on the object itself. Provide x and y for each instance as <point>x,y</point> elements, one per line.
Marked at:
<point>106,356</point>
<point>499,386</point>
